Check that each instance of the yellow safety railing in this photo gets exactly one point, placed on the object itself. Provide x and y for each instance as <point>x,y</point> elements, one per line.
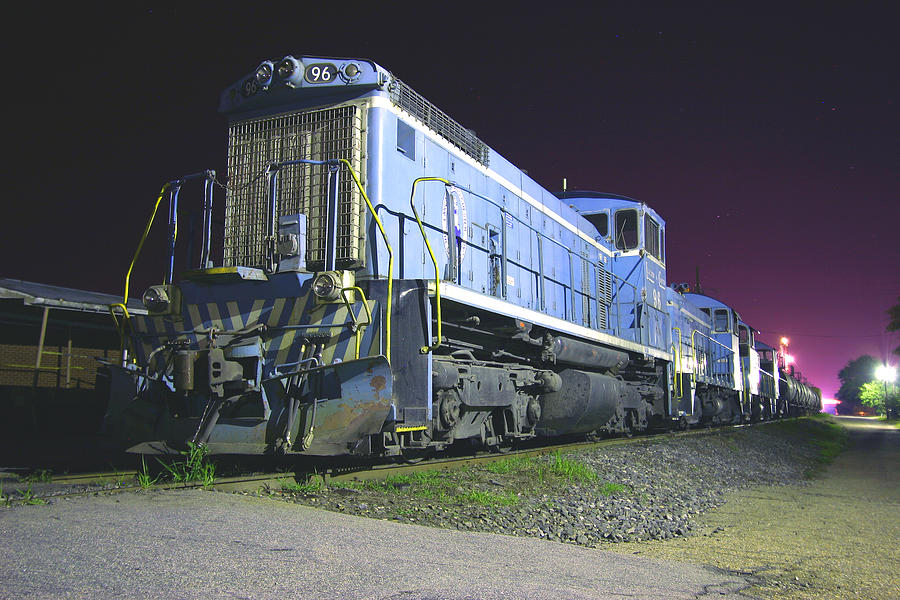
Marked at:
<point>357,326</point>
<point>437,274</point>
<point>137,252</point>
<point>120,325</point>
<point>390,277</point>
<point>679,388</point>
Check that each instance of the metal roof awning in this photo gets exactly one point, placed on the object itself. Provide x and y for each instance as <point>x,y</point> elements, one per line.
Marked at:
<point>53,296</point>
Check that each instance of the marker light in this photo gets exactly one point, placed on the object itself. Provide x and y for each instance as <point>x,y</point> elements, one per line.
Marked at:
<point>350,72</point>
<point>785,341</point>
<point>290,71</point>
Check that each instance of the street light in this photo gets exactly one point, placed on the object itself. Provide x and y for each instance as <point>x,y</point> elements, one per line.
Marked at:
<point>886,373</point>
<point>782,350</point>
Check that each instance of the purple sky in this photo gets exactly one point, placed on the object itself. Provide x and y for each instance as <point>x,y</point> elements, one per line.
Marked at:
<point>766,137</point>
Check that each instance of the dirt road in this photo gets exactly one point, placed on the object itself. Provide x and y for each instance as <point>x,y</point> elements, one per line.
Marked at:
<point>836,538</point>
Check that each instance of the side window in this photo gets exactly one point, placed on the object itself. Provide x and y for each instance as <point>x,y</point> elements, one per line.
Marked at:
<point>626,229</point>
<point>406,140</point>
<point>744,333</point>
<point>600,221</point>
<point>721,320</point>
<point>651,237</point>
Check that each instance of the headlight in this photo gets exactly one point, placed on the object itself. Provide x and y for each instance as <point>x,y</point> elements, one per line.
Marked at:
<point>156,299</point>
<point>327,286</point>
<point>290,71</point>
<point>264,73</point>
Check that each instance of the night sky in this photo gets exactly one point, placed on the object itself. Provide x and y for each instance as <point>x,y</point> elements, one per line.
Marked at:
<point>767,137</point>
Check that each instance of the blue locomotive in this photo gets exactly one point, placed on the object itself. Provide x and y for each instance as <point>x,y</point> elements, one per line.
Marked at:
<point>389,284</point>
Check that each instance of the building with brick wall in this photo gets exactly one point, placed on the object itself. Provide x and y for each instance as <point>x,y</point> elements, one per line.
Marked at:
<point>52,341</point>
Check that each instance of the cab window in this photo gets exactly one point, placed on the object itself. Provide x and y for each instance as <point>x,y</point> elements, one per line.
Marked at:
<point>600,221</point>
<point>626,229</point>
<point>721,320</point>
<point>744,337</point>
<point>651,237</point>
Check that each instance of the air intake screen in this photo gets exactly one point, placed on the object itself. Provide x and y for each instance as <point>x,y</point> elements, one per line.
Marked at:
<point>313,135</point>
<point>411,101</point>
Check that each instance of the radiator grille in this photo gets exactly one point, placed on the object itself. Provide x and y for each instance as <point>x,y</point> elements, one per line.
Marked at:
<point>604,296</point>
<point>332,133</point>
<point>465,139</point>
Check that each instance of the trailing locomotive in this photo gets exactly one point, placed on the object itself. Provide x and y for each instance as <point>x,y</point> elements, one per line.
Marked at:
<point>390,284</point>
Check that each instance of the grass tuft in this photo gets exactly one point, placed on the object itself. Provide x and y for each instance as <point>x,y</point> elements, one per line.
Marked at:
<point>608,489</point>
<point>39,476</point>
<point>28,497</point>
<point>144,479</point>
<point>571,469</point>
<point>313,486</point>
<point>196,466</point>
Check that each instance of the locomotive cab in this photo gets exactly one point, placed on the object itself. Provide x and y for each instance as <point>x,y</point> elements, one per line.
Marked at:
<point>637,235</point>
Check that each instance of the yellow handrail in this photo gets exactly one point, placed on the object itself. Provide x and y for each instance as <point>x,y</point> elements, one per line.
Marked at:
<point>390,277</point>
<point>437,275</point>
<point>678,385</point>
<point>120,327</point>
<point>694,371</point>
<point>137,252</point>
<point>356,323</point>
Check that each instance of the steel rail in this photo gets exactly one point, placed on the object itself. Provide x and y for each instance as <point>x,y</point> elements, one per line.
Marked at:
<point>363,472</point>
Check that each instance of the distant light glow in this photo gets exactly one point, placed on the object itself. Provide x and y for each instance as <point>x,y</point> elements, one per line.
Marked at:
<point>886,373</point>
<point>785,341</point>
<point>829,405</point>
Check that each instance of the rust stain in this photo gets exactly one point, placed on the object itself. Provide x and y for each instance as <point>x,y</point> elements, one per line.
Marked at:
<point>346,417</point>
<point>377,383</point>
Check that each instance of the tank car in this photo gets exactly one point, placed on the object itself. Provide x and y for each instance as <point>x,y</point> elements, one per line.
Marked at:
<point>389,284</point>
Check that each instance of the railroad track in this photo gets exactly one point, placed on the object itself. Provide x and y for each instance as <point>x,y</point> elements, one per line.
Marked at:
<point>82,484</point>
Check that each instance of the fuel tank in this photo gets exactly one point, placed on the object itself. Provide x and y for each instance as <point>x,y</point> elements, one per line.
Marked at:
<point>584,403</point>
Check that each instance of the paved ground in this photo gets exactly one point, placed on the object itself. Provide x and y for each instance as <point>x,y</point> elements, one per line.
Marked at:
<point>196,544</point>
<point>836,538</point>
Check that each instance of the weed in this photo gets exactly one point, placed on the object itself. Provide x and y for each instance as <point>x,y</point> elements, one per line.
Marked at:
<point>314,485</point>
<point>39,476</point>
<point>144,479</point>
<point>347,485</point>
<point>28,497</point>
<point>608,489</point>
<point>195,467</point>
<point>571,469</point>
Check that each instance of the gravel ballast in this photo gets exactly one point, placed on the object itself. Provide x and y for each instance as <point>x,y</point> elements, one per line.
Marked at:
<point>648,489</point>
